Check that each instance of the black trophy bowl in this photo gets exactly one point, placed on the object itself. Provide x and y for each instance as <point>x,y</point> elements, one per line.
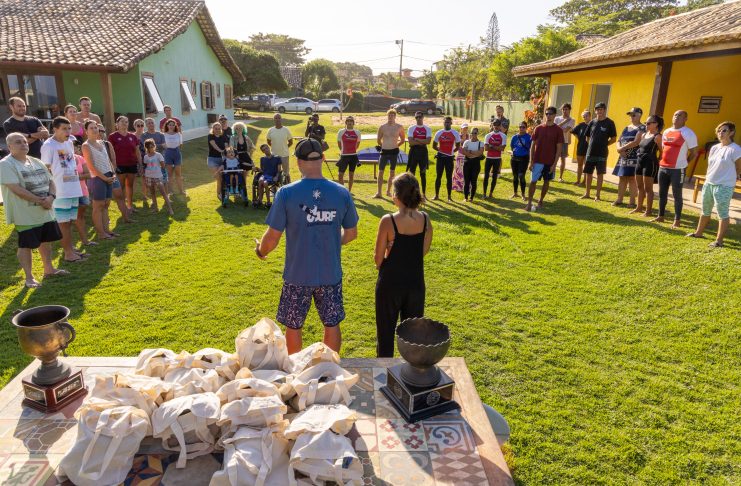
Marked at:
<point>418,388</point>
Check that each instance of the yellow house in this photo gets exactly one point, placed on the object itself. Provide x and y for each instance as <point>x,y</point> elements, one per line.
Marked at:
<point>690,62</point>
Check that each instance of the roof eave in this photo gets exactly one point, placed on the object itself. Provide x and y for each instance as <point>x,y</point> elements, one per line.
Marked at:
<point>51,66</point>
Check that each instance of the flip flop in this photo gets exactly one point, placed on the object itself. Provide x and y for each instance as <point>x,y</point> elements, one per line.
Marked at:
<point>115,235</point>
<point>32,285</point>
<point>57,273</point>
<point>76,260</point>
<point>91,243</point>
<point>693,235</point>
<point>716,244</point>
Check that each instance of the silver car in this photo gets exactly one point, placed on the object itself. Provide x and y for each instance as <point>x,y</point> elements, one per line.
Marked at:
<point>333,105</point>
<point>296,104</point>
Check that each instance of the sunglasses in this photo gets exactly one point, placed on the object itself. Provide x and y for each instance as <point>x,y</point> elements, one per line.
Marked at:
<point>138,126</point>
<point>651,123</point>
<point>723,130</point>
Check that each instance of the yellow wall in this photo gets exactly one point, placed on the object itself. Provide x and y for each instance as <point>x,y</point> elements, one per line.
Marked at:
<point>714,76</point>
<point>631,86</point>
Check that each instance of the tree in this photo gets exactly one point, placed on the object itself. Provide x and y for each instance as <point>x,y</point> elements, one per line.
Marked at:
<point>464,72</point>
<point>428,84</point>
<point>318,76</point>
<point>491,41</point>
<point>609,17</point>
<point>260,69</point>
<point>288,50</point>
<point>349,71</point>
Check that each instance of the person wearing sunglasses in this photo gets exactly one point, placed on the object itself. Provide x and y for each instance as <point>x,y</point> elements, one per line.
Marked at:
<point>318,217</point>
<point>724,169</point>
<point>648,164</point>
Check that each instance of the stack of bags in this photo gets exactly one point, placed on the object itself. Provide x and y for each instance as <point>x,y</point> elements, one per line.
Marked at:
<point>279,419</point>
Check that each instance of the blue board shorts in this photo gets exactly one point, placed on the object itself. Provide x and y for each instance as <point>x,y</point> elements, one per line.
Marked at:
<point>542,171</point>
<point>65,209</point>
<point>295,301</point>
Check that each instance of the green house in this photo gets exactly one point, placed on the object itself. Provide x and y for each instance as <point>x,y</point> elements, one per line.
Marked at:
<point>129,57</point>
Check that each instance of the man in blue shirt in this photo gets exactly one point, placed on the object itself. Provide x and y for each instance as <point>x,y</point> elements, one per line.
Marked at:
<point>318,217</point>
<point>270,166</point>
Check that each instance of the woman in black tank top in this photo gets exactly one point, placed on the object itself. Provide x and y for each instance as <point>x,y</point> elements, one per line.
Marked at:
<point>648,164</point>
<point>400,288</point>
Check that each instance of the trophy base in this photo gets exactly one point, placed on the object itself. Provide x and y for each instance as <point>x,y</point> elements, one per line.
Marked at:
<point>415,403</point>
<point>52,398</point>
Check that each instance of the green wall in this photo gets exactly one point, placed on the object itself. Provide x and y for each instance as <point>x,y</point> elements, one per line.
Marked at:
<point>188,56</point>
<point>80,83</point>
<point>127,92</point>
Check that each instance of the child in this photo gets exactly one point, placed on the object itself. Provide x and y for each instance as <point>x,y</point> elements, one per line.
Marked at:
<point>270,167</point>
<point>231,162</point>
<point>84,201</point>
<point>154,164</point>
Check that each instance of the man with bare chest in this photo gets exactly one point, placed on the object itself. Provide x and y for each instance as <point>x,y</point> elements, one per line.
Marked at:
<point>390,138</point>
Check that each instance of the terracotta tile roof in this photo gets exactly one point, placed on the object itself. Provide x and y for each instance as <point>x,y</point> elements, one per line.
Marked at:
<point>106,35</point>
<point>715,28</point>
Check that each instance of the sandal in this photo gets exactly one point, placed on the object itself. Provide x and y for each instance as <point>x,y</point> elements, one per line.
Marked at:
<point>32,285</point>
<point>91,243</point>
<point>693,235</point>
<point>716,244</point>
<point>76,260</point>
<point>57,273</point>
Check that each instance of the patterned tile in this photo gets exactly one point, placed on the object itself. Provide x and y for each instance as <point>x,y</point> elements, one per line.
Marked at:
<point>14,409</point>
<point>363,435</point>
<point>458,468</point>
<point>12,433</point>
<point>379,378</point>
<point>384,409</point>
<point>148,469</point>
<point>398,435</point>
<point>55,436</point>
<point>363,402</point>
<point>26,470</point>
<point>365,381</point>
<point>371,468</point>
<point>406,468</point>
<point>453,435</point>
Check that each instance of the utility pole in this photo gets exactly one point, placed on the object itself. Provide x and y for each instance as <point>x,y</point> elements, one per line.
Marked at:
<point>400,43</point>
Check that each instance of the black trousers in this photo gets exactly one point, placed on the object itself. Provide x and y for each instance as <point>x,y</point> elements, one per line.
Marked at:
<point>391,304</point>
<point>493,166</point>
<point>418,158</point>
<point>471,170</point>
<point>675,178</point>
<point>444,163</point>
<point>519,171</point>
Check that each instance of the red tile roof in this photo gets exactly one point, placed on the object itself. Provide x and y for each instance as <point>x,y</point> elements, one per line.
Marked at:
<point>106,35</point>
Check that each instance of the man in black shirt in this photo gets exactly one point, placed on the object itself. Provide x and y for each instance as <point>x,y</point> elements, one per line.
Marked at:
<point>601,133</point>
<point>29,126</point>
<point>315,130</point>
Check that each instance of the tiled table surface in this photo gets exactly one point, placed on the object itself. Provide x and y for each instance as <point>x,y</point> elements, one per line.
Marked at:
<point>458,448</point>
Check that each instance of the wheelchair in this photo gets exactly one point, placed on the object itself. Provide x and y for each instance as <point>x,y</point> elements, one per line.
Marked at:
<point>233,184</point>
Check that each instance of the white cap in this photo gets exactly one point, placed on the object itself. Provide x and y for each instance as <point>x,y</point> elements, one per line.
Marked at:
<point>465,125</point>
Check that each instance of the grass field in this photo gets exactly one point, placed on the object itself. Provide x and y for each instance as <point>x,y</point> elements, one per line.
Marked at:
<point>611,345</point>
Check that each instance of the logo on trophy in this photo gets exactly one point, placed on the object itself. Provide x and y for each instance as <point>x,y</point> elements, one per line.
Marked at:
<point>43,332</point>
<point>419,389</point>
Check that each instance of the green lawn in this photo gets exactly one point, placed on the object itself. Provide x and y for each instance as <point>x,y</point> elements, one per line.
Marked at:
<point>611,345</point>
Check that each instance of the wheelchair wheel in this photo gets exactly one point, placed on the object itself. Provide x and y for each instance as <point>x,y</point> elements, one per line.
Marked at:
<point>224,195</point>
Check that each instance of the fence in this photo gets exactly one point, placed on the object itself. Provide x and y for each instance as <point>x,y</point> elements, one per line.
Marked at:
<point>484,110</point>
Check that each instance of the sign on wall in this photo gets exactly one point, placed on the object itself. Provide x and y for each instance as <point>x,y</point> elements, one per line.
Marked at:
<point>709,104</point>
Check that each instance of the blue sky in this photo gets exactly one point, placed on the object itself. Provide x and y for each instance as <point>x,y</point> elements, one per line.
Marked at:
<point>351,31</point>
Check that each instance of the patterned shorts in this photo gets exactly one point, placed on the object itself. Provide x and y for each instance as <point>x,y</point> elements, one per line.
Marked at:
<point>718,196</point>
<point>295,301</point>
<point>65,209</point>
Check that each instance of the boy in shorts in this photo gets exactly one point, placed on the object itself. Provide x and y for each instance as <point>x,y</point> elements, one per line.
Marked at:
<point>268,174</point>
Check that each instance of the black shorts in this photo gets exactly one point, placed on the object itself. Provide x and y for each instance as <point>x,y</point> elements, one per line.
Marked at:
<point>46,233</point>
<point>592,163</point>
<point>346,161</point>
<point>418,157</point>
<point>389,157</point>
<point>127,169</point>
<point>519,164</point>
<point>648,168</point>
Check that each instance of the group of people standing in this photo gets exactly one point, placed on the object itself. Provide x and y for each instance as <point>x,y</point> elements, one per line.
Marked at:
<point>49,179</point>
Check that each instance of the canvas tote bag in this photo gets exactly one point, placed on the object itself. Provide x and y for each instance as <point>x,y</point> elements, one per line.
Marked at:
<point>225,364</point>
<point>308,357</point>
<point>262,346</point>
<point>155,362</point>
<point>280,379</point>
<point>106,443</point>
<point>191,381</point>
<point>325,383</point>
<point>325,456</point>
<point>318,418</point>
<point>187,424</point>
<point>254,457</point>
<point>245,387</point>
<point>253,412</point>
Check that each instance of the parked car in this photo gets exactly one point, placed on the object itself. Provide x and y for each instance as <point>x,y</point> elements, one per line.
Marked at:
<point>410,106</point>
<point>252,102</point>
<point>332,105</point>
<point>296,104</point>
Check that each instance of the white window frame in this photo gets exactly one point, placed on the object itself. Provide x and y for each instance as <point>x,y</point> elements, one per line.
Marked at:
<point>185,89</point>
<point>555,95</point>
<point>151,88</point>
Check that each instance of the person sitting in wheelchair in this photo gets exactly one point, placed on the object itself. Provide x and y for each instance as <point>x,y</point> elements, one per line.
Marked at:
<point>234,170</point>
<point>267,176</point>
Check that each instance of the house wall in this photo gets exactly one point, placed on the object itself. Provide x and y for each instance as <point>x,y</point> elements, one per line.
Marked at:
<point>631,86</point>
<point>126,87</point>
<point>188,56</point>
<point>713,76</point>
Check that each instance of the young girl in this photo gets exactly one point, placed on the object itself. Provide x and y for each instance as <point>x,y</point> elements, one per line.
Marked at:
<point>84,174</point>
<point>173,155</point>
<point>154,164</point>
<point>231,162</point>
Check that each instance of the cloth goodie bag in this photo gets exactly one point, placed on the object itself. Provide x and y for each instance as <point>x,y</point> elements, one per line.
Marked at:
<point>245,387</point>
<point>191,381</point>
<point>155,362</point>
<point>262,346</point>
<point>106,443</point>
<point>325,456</point>
<point>187,424</point>
<point>225,364</point>
<point>254,457</point>
<point>325,383</point>
<point>253,412</point>
<point>308,357</point>
<point>318,418</point>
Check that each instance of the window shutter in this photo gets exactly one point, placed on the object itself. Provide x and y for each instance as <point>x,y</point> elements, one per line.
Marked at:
<point>203,96</point>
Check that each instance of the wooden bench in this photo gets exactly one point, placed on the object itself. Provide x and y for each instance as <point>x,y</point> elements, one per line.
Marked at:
<point>700,180</point>
<point>374,163</point>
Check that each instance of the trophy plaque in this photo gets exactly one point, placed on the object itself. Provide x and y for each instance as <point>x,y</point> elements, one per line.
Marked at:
<point>419,389</point>
<point>43,332</point>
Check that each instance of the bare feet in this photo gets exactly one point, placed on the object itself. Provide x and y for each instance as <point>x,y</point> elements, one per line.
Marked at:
<point>388,194</point>
<point>636,210</point>
<point>528,207</point>
<point>658,219</point>
<point>513,196</point>
<point>584,196</point>
<point>648,214</point>
<point>617,203</point>
<point>377,196</point>
<point>436,198</point>
<point>676,224</point>
<point>560,179</point>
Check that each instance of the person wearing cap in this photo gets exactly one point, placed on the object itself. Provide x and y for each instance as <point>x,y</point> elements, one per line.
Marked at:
<point>280,140</point>
<point>580,132</point>
<point>545,151</point>
<point>627,148</point>
<point>502,120</point>
<point>348,141</point>
<point>389,138</point>
<point>601,133</point>
<point>318,217</point>
<point>459,158</point>
<point>446,141</point>
<point>679,146</point>
<point>419,136</point>
<point>494,142</point>
<point>567,124</point>
<point>315,130</point>
<point>227,130</point>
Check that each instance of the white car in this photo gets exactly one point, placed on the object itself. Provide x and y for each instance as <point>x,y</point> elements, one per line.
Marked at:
<point>296,104</point>
<point>333,105</point>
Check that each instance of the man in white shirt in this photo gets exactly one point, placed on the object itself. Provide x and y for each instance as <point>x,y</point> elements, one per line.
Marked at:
<point>58,154</point>
<point>566,123</point>
<point>280,139</point>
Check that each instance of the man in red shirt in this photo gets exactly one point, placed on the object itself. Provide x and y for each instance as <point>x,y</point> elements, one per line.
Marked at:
<point>544,153</point>
<point>128,157</point>
<point>447,141</point>
<point>168,116</point>
<point>348,141</point>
